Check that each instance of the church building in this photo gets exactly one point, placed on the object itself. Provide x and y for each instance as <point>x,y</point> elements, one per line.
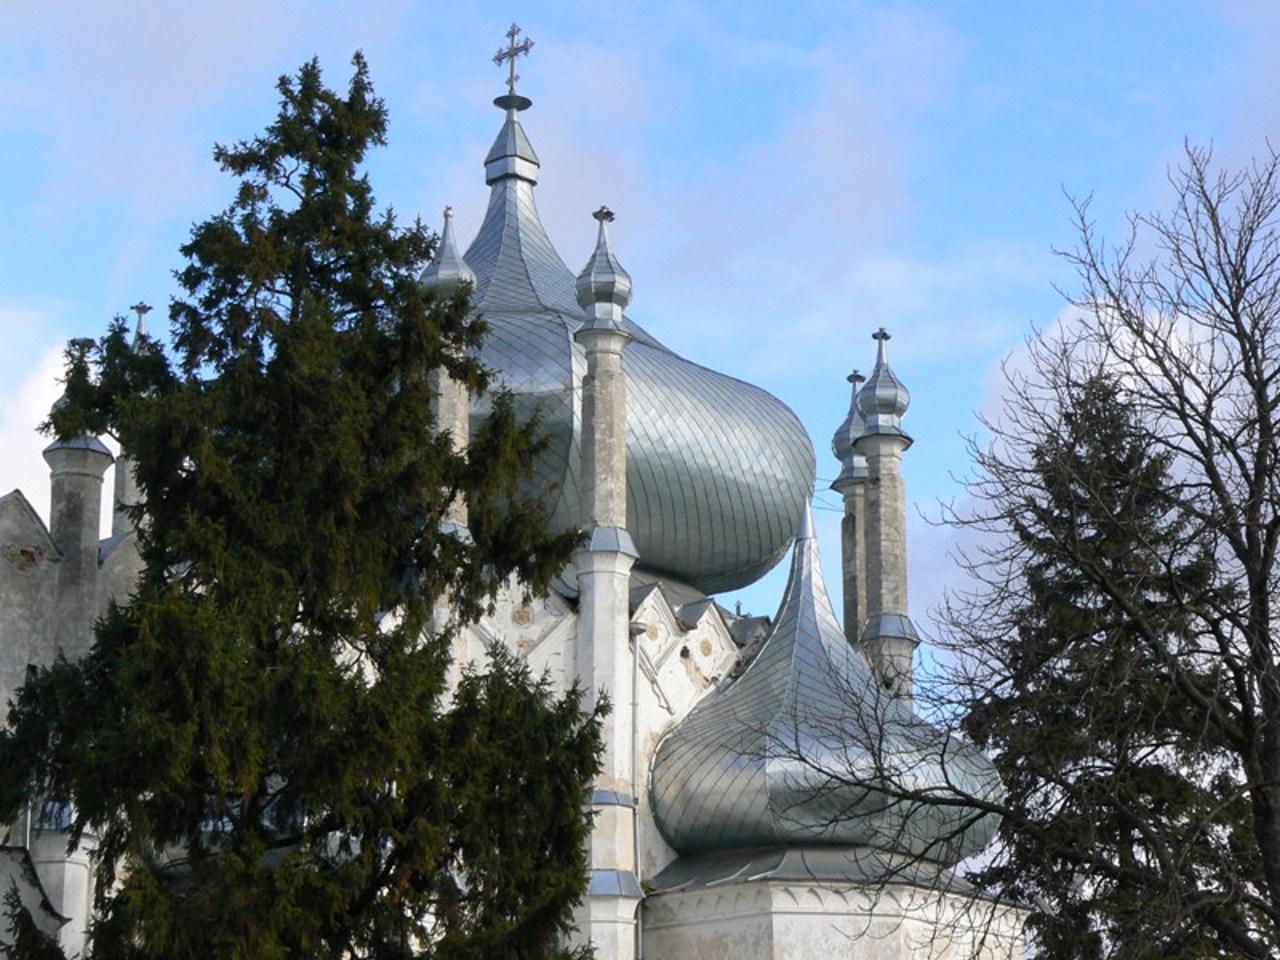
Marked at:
<point>766,791</point>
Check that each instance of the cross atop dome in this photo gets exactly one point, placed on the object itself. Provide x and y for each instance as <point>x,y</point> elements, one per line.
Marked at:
<point>508,54</point>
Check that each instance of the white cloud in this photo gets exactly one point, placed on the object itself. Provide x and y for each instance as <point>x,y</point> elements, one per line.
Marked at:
<point>22,408</point>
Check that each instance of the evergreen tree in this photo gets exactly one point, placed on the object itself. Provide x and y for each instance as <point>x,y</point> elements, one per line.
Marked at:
<point>27,940</point>
<point>263,738</point>
<point>1117,794</point>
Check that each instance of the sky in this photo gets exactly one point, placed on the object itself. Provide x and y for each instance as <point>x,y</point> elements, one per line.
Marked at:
<point>787,177</point>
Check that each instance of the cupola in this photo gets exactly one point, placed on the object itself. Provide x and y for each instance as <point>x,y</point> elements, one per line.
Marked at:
<point>853,465</point>
<point>883,399</point>
<point>603,283</point>
<point>447,271</point>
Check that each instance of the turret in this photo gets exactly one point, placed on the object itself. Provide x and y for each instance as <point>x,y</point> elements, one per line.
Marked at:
<point>445,276</point>
<point>604,663</point>
<point>889,639</point>
<point>851,484</point>
<point>76,470</point>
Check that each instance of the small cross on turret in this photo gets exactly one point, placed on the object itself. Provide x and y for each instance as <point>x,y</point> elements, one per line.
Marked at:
<point>509,54</point>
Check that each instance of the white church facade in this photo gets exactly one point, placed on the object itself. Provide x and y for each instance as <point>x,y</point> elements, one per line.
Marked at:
<point>753,800</point>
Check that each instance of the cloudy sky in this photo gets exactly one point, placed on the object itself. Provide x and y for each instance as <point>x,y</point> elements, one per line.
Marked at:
<point>787,177</point>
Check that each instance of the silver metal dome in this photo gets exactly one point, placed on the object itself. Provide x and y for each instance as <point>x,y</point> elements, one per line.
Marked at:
<point>717,469</point>
<point>805,750</point>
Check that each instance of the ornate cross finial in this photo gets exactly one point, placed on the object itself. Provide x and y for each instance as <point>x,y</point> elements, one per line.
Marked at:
<point>509,54</point>
<point>603,215</point>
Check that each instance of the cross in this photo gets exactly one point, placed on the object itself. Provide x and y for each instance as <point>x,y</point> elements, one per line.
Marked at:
<point>603,215</point>
<point>509,55</point>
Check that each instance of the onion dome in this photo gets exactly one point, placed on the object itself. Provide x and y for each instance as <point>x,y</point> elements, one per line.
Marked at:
<point>805,752</point>
<point>717,469</point>
<point>84,441</point>
<point>603,281</point>
<point>447,270</point>
<point>883,399</point>
<point>853,465</point>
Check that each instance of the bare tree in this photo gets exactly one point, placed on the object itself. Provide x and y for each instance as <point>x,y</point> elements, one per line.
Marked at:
<point>1119,655</point>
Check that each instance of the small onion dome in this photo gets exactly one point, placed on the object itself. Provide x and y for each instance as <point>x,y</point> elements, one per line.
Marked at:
<point>805,751</point>
<point>447,270</point>
<point>603,280</point>
<point>883,399</point>
<point>853,465</point>
<point>85,441</point>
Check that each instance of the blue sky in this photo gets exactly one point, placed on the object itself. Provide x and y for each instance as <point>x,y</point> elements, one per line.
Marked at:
<point>787,178</point>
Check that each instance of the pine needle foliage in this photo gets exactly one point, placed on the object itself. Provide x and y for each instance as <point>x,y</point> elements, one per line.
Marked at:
<point>263,739</point>
<point>1118,648</point>
<point>25,938</point>
<point>1092,729</point>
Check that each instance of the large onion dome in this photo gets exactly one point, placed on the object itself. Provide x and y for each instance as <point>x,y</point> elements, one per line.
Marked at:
<point>717,469</point>
<point>805,754</point>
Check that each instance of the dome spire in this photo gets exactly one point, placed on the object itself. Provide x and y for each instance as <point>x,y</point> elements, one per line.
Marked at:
<point>603,286</point>
<point>883,399</point>
<point>141,308</point>
<point>512,245</point>
<point>853,466</point>
<point>447,270</point>
<point>511,153</point>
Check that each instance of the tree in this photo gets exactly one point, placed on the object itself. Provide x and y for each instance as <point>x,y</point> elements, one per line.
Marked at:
<point>1093,737</point>
<point>263,739</point>
<point>1123,668</point>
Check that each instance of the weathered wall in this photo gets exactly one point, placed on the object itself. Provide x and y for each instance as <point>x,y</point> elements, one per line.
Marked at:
<point>774,920</point>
